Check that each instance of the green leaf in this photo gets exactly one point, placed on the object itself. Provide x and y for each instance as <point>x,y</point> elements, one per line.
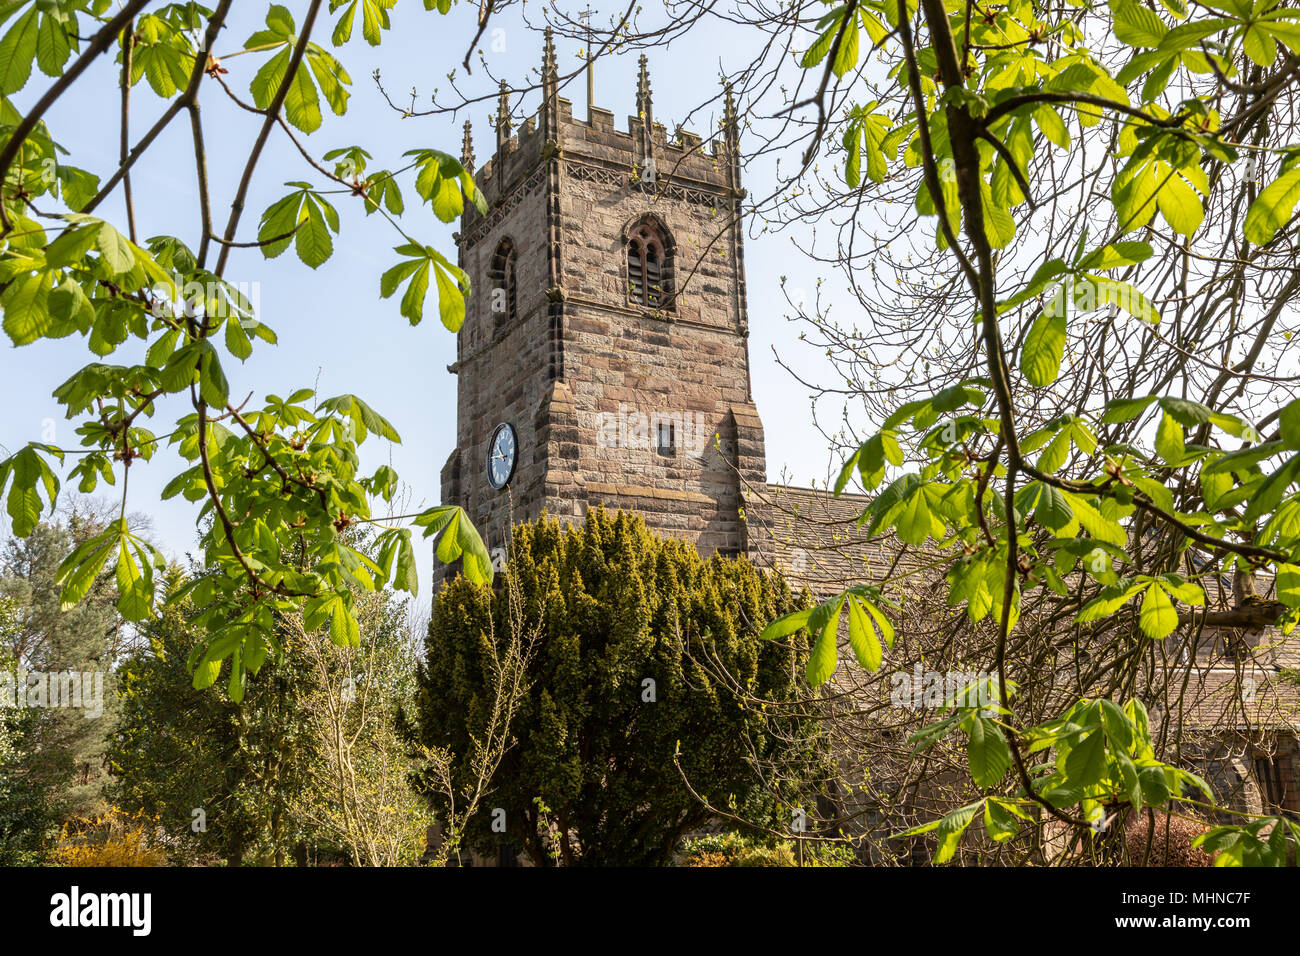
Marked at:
<point>1110,600</point>
<point>914,524</point>
<point>162,53</point>
<point>1117,725</point>
<point>928,735</point>
<point>1133,193</point>
<point>1001,822</point>
<point>237,340</point>
<point>330,76</point>
<point>1116,254</point>
<point>452,284</point>
<point>1044,348</point>
<point>413,299</point>
<point>846,57</point>
<point>134,587</point>
<point>988,753</point>
<point>822,660</point>
<point>381,189</point>
<point>280,21</point>
<point>786,625</point>
<point>1056,452</point>
<point>862,637</point>
<point>1085,762</point>
<point>343,29</point>
<point>846,471</point>
<point>1101,528</point>
<point>1288,585</point>
<point>459,540</point>
<point>312,241</point>
<point>206,673</point>
<point>1169,440</point>
<point>822,45</point>
<point>1155,786</point>
<point>1053,508</point>
<point>1048,271</point>
<point>279,222</point>
<point>53,45</point>
<point>1053,127</point>
<point>1290,422</point>
<point>364,419</point>
<point>1097,292</point>
<point>26,469</point>
<point>70,307</point>
<point>1269,494</point>
<point>1136,25</point>
<point>1158,617</point>
<point>408,575</point>
<point>853,151</point>
<point>235,687</point>
<point>452,288</point>
<point>344,630</point>
<point>27,308</point>
<point>1125,409</point>
<point>1273,208</point>
<point>115,250</point>
<point>1187,36</point>
<point>1178,202</point>
<point>79,569</point>
<point>1189,592</point>
<point>824,657</point>
<point>213,387</point>
<point>443,181</point>
<point>267,81</point>
<point>17,50</point>
<point>1214,486</point>
<point>883,624</point>
<point>950,829</point>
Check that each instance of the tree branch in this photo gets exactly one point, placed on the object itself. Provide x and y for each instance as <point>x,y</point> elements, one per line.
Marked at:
<point>98,44</point>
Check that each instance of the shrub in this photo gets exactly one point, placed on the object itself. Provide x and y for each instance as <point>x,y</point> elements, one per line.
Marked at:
<point>734,849</point>
<point>648,658</point>
<point>116,838</point>
<point>1170,838</point>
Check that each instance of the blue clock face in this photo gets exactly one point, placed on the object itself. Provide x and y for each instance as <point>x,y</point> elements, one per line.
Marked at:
<point>502,451</point>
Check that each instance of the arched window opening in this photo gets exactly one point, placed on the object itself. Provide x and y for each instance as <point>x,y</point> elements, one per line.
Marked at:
<point>501,281</point>
<point>649,268</point>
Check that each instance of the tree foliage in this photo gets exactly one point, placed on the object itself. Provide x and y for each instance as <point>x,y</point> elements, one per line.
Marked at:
<point>358,801</point>
<point>27,821</point>
<point>218,777</point>
<point>280,478</point>
<point>1098,208</point>
<point>65,748</point>
<point>636,693</point>
<point>308,766</point>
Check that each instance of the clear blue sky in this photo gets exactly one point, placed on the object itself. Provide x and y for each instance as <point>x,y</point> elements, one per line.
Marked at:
<point>331,324</point>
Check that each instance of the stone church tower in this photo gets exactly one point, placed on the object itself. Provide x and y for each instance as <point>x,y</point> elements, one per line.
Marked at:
<point>606,327</point>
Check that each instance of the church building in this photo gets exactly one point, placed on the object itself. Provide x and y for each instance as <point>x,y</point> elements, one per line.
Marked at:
<point>604,360</point>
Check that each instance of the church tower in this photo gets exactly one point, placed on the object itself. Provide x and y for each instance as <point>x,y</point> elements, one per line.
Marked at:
<point>604,356</point>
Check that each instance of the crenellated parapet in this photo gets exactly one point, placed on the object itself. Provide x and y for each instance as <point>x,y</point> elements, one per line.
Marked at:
<point>644,157</point>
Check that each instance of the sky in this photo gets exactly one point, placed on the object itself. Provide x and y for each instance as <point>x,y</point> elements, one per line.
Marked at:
<point>334,331</point>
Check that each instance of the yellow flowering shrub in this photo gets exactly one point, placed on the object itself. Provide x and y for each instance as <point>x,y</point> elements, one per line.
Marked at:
<point>116,838</point>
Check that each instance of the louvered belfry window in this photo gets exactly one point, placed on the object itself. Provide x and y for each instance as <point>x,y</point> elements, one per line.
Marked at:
<point>501,279</point>
<point>649,272</point>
